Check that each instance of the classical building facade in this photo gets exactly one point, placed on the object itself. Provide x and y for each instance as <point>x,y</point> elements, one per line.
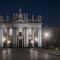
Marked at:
<point>20,32</point>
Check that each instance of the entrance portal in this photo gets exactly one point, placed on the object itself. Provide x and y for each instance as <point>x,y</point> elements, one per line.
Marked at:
<point>28,38</point>
<point>20,43</point>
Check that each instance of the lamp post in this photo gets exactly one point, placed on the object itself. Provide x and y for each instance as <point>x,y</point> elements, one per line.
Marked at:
<point>47,35</point>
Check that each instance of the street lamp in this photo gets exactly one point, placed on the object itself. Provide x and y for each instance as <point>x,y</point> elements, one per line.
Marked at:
<point>47,35</point>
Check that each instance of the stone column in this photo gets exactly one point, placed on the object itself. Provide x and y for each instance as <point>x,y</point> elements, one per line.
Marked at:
<point>39,37</point>
<point>33,37</point>
<point>25,37</point>
<point>1,37</point>
<point>14,37</point>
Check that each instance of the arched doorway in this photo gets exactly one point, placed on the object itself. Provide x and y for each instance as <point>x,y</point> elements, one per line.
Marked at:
<point>20,38</point>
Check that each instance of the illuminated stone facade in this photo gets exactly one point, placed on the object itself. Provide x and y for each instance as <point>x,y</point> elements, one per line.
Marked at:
<point>19,32</point>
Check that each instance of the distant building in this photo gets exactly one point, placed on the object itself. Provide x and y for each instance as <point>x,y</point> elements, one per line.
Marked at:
<point>53,40</point>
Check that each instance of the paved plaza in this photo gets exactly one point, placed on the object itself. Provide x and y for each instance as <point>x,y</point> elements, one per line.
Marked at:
<point>26,54</point>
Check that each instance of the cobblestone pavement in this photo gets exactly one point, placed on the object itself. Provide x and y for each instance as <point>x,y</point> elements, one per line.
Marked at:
<point>26,54</point>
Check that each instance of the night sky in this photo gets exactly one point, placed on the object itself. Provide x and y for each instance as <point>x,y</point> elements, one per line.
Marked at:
<point>50,10</point>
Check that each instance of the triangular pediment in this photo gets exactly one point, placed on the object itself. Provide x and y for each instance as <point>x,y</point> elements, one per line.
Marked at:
<point>21,21</point>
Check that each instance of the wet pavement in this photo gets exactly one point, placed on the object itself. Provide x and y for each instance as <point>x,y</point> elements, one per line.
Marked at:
<point>26,54</point>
